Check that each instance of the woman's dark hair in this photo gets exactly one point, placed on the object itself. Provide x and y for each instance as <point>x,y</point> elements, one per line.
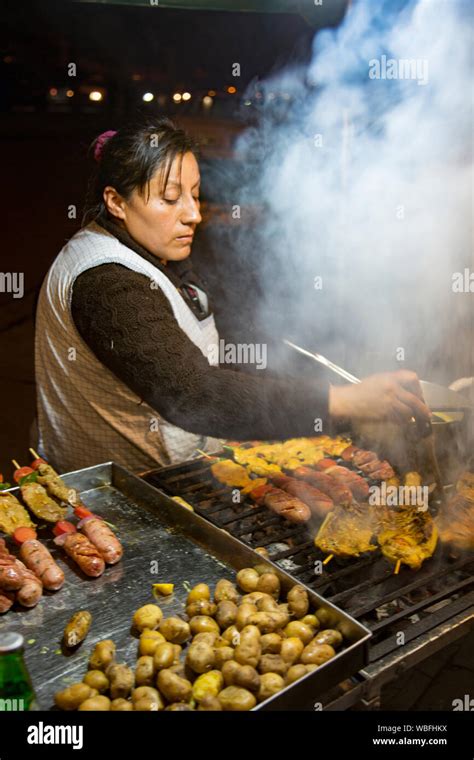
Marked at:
<point>130,158</point>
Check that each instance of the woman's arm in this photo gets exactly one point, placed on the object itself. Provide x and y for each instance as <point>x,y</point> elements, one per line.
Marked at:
<point>132,330</point>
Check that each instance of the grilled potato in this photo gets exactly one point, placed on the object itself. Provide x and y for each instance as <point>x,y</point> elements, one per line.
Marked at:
<point>270,684</point>
<point>175,630</point>
<point>208,684</point>
<point>234,699</point>
<point>247,579</point>
<point>173,687</point>
<point>149,616</point>
<point>298,601</point>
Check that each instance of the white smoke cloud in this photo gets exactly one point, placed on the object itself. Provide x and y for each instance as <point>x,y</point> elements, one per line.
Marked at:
<point>367,183</point>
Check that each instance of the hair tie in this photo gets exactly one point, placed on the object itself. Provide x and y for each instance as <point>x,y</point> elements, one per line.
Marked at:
<point>100,142</point>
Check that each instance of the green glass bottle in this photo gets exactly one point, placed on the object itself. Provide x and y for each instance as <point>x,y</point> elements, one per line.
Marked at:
<point>16,691</point>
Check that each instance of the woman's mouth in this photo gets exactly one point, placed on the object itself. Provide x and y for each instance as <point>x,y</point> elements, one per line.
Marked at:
<point>185,239</point>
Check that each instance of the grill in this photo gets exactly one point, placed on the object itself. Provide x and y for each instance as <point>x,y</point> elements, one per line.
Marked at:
<point>411,614</point>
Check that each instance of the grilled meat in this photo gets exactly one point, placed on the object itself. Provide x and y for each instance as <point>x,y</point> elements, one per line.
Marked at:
<point>465,485</point>
<point>40,503</point>
<point>319,503</point>
<point>358,486</point>
<point>347,532</point>
<point>289,507</point>
<point>339,493</point>
<point>230,473</point>
<point>456,521</point>
<point>55,486</point>
<point>13,515</point>
<point>407,535</point>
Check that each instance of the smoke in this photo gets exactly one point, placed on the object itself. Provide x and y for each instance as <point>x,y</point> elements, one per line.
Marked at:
<point>360,168</point>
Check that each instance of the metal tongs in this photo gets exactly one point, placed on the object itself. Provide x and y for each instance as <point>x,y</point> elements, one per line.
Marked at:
<point>424,429</point>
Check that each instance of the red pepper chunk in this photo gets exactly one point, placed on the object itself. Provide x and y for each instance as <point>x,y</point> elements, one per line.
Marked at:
<point>63,526</point>
<point>21,473</point>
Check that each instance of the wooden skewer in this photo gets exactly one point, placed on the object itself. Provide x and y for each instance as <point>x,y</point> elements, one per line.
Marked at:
<point>208,456</point>
<point>397,567</point>
<point>15,464</point>
<point>328,559</point>
<point>35,454</point>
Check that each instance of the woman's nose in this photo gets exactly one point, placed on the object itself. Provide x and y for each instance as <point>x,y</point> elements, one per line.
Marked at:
<point>191,212</point>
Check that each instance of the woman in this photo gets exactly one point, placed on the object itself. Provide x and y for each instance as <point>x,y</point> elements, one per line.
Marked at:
<point>124,330</point>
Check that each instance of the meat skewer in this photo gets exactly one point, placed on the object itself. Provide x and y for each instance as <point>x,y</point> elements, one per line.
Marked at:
<point>35,496</point>
<point>54,484</point>
<point>318,502</point>
<point>94,527</point>
<point>289,507</point>
<point>12,513</point>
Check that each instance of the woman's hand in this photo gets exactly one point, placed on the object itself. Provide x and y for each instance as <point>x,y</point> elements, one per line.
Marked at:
<point>393,396</point>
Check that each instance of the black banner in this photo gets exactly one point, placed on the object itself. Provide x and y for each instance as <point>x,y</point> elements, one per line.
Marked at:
<point>328,734</point>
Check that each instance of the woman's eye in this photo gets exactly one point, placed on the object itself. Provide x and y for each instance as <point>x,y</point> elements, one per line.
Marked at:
<point>171,200</point>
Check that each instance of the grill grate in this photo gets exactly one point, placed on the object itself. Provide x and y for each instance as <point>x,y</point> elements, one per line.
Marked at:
<point>367,588</point>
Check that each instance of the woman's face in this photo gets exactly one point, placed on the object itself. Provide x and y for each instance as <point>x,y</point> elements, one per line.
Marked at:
<point>164,221</point>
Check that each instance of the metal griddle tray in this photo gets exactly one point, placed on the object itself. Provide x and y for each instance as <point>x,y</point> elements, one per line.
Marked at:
<point>163,542</point>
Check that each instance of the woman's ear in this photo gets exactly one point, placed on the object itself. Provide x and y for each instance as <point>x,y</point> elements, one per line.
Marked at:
<point>114,202</point>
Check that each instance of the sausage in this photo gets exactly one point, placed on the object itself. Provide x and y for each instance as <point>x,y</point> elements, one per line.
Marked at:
<point>103,538</point>
<point>38,559</point>
<point>6,600</point>
<point>77,628</point>
<point>83,553</point>
<point>361,456</point>
<point>348,453</point>
<point>289,507</point>
<point>319,503</point>
<point>338,492</point>
<point>11,577</point>
<point>378,470</point>
<point>358,486</point>
<point>31,589</point>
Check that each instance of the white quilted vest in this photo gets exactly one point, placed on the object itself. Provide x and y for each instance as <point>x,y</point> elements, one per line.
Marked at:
<point>86,415</point>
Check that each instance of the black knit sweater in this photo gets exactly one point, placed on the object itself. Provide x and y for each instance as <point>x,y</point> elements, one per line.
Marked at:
<point>132,330</point>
